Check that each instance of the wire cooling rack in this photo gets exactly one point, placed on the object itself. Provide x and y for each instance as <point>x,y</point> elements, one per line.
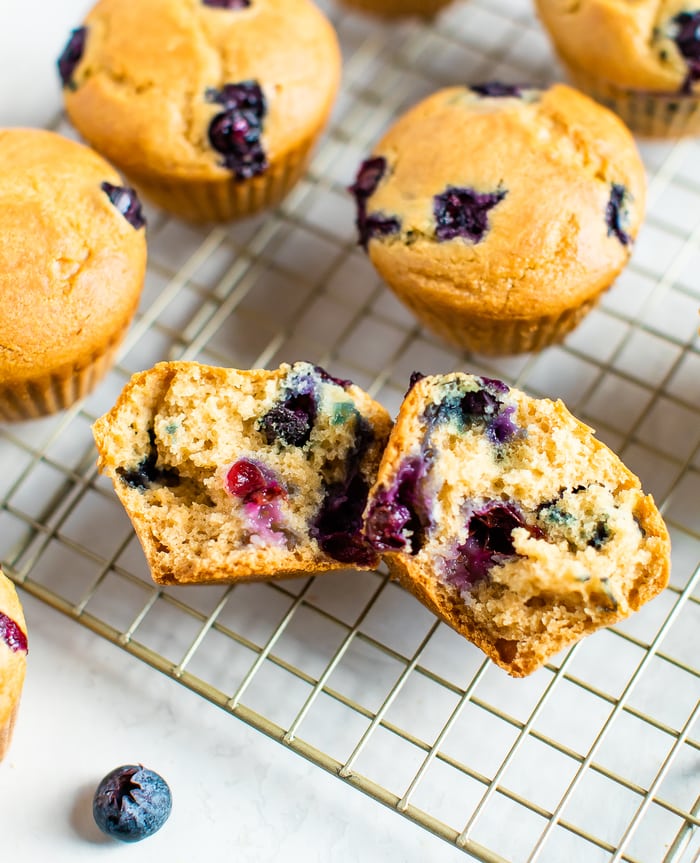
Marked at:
<point>595,757</point>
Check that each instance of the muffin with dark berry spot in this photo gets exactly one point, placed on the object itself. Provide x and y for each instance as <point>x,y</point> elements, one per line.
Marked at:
<point>13,659</point>
<point>211,108</point>
<point>500,214</point>
<point>72,266</point>
<point>399,8</point>
<point>232,475</point>
<point>509,520</point>
<point>641,59</point>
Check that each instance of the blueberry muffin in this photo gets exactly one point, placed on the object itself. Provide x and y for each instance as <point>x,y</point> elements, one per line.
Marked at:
<point>210,107</point>
<point>509,520</point>
<point>234,475</point>
<point>499,215</point>
<point>72,266</point>
<point>641,59</point>
<point>13,659</point>
<point>399,8</point>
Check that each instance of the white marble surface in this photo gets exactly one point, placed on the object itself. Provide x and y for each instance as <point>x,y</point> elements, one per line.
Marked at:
<point>88,707</point>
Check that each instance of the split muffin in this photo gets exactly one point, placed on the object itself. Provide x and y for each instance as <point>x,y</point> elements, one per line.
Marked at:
<point>509,520</point>
<point>237,475</point>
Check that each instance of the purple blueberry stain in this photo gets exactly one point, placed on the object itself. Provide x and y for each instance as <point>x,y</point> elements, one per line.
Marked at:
<point>125,199</point>
<point>483,405</point>
<point>399,516</point>
<point>338,526</point>
<point>489,543</point>
<point>235,132</point>
<point>464,212</point>
<point>497,90</point>
<point>71,56</point>
<point>371,225</point>
<point>12,635</point>
<point>131,803</point>
<point>616,214</point>
<point>686,35</point>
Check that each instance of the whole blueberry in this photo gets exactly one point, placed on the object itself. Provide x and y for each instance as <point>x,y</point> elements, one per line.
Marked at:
<point>464,212</point>
<point>131,803</point>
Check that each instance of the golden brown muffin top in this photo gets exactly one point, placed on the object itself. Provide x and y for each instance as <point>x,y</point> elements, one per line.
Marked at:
<point>523,202</point>
<point>150,75</point>
<point>641,44</point>
<point>71,265</point>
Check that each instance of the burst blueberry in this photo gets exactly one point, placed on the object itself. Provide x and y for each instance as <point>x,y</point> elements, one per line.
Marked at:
<point>464,212</point>
<point>147,473</point>
<point>71,55</point>
<point>338,526</point>
<point>12,635</point>
<point>131,803</point>
<point>236,131</point>
<point>489,543</point>
<point>616,213</point>
<point>125,199</point>
<point>371,225</point>
<point>497,90</point>
<point>400,515</point>
<point>687,38</point>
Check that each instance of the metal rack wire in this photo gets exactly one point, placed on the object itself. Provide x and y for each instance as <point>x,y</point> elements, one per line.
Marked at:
<point>595,757</point>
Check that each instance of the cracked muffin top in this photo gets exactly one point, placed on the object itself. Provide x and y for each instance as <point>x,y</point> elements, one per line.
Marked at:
<point>507,197</point>
<point>72,255</point>
<point>640,44</point>
<point>199,89</point>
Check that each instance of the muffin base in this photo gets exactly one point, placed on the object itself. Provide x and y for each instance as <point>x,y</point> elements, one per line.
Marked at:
<point>399,8</point>
<point>648,113</point>
<point>469,331</point>
<point>225,199</point>
<point>47,394</point>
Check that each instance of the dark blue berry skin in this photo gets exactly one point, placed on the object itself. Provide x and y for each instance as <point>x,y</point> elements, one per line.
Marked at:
<point>71,55</point>
<point>131,803</point>
<point>497,90</point>
<point>483,405</point>
<point>323,374</point>
<point>127,202</point>
<point>489,543</point>
<point>687,38</point>
<point>615,214</point>
<point>291,420</point>
<point>463,212</point>
<point>371,225</point>
<point>235,132</point>
<point>146,473</point>
<point>399,516</point>
<point>338,526</point>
